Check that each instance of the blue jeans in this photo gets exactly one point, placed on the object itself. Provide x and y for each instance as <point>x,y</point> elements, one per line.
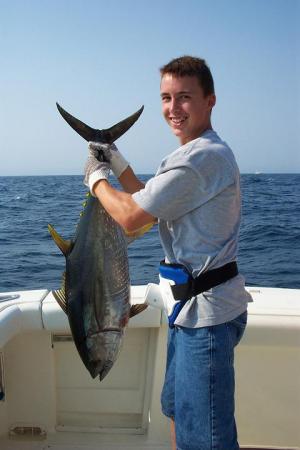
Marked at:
<point>198,391</point>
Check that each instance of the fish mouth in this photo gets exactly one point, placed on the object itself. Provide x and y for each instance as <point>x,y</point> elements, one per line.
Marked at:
<point>105,369</point>
<point>103,348</point>
<point>99,368</point>
<point>106,330</point>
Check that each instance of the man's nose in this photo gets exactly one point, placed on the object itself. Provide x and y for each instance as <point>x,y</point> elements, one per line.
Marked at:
<point>174,105</point>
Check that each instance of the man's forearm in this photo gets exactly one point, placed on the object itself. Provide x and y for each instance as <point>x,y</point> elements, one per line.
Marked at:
<point>130,182</point>
<point>122,207</point>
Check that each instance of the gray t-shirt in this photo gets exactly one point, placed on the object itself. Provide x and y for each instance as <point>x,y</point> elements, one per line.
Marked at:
<point>195,194</point>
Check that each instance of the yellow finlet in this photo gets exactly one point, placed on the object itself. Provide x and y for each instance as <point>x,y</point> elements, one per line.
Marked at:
<point>140,231</point>
<point>63,245</point>
<point>61,300</point>
<point>60,295</point>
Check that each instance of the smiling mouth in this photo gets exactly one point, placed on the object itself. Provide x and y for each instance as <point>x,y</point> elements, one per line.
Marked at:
<point>177,121</point>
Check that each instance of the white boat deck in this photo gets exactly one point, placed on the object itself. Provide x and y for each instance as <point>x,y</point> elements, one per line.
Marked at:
<point>46,387</point>
<point>84,441</point>
<point>109,442</point>
<point>108,445</point>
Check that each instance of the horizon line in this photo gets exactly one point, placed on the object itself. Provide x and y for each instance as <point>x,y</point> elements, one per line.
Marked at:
<point>143,173</point>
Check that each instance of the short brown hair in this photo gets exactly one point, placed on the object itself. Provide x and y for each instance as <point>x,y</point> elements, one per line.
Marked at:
<point>191,66</point>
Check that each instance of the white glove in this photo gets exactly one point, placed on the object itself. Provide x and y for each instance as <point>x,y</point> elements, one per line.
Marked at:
<point>117,161</point>
<point>95,170</point>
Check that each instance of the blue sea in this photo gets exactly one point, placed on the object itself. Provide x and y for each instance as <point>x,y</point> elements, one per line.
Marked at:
<point>269,249</point>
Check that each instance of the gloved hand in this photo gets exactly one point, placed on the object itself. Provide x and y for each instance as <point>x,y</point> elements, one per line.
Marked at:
<point>111,153</point>
<point>95,170</point>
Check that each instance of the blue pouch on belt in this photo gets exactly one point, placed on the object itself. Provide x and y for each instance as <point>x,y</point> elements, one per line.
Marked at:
<point>172,274</point>
<point>177,285</point>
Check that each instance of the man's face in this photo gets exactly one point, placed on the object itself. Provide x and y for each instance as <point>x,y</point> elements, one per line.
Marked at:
<point>184,106</point>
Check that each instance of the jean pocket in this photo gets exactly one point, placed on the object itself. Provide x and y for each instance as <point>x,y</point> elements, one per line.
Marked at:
<point>237,327</point>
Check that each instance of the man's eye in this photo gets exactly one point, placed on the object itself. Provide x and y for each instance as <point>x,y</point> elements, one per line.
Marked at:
<point>165,99</point>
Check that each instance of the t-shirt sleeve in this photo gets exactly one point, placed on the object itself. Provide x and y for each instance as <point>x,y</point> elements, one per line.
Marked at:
<point>180,190</point>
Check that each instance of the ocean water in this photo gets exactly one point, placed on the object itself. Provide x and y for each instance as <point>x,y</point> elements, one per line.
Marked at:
<point>269,249</point>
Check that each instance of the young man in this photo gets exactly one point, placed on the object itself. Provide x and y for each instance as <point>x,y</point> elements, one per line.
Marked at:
<point>195,196</point>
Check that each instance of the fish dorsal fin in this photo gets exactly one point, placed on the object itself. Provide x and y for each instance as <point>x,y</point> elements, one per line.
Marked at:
<point>60,295</point>
<point>132,235</point>
<point>137,309</point>
<point>62,244</point>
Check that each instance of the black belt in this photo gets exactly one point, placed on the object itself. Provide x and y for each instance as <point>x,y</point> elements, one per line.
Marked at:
<point>204,281</point>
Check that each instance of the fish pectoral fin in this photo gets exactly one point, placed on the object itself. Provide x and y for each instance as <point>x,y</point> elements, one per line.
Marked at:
<point>132,235</point>
<point>62,244</point>
<point>137,309</point>
<point>60,295</point>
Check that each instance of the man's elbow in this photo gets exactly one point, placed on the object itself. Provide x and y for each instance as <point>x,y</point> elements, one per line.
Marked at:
<point>130,224</point>
<point>134,221</point>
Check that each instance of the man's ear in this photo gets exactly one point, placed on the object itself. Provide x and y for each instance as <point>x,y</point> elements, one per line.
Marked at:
<point>211,100</point>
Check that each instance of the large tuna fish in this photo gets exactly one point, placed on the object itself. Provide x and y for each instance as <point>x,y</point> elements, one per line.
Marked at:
<point>95,292</point>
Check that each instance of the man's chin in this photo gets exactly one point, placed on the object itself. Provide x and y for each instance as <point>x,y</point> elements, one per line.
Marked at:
<point>179,134</point>
<point>177,130</point>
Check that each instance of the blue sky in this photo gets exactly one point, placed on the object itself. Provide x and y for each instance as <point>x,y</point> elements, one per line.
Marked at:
<point>100,61</point>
